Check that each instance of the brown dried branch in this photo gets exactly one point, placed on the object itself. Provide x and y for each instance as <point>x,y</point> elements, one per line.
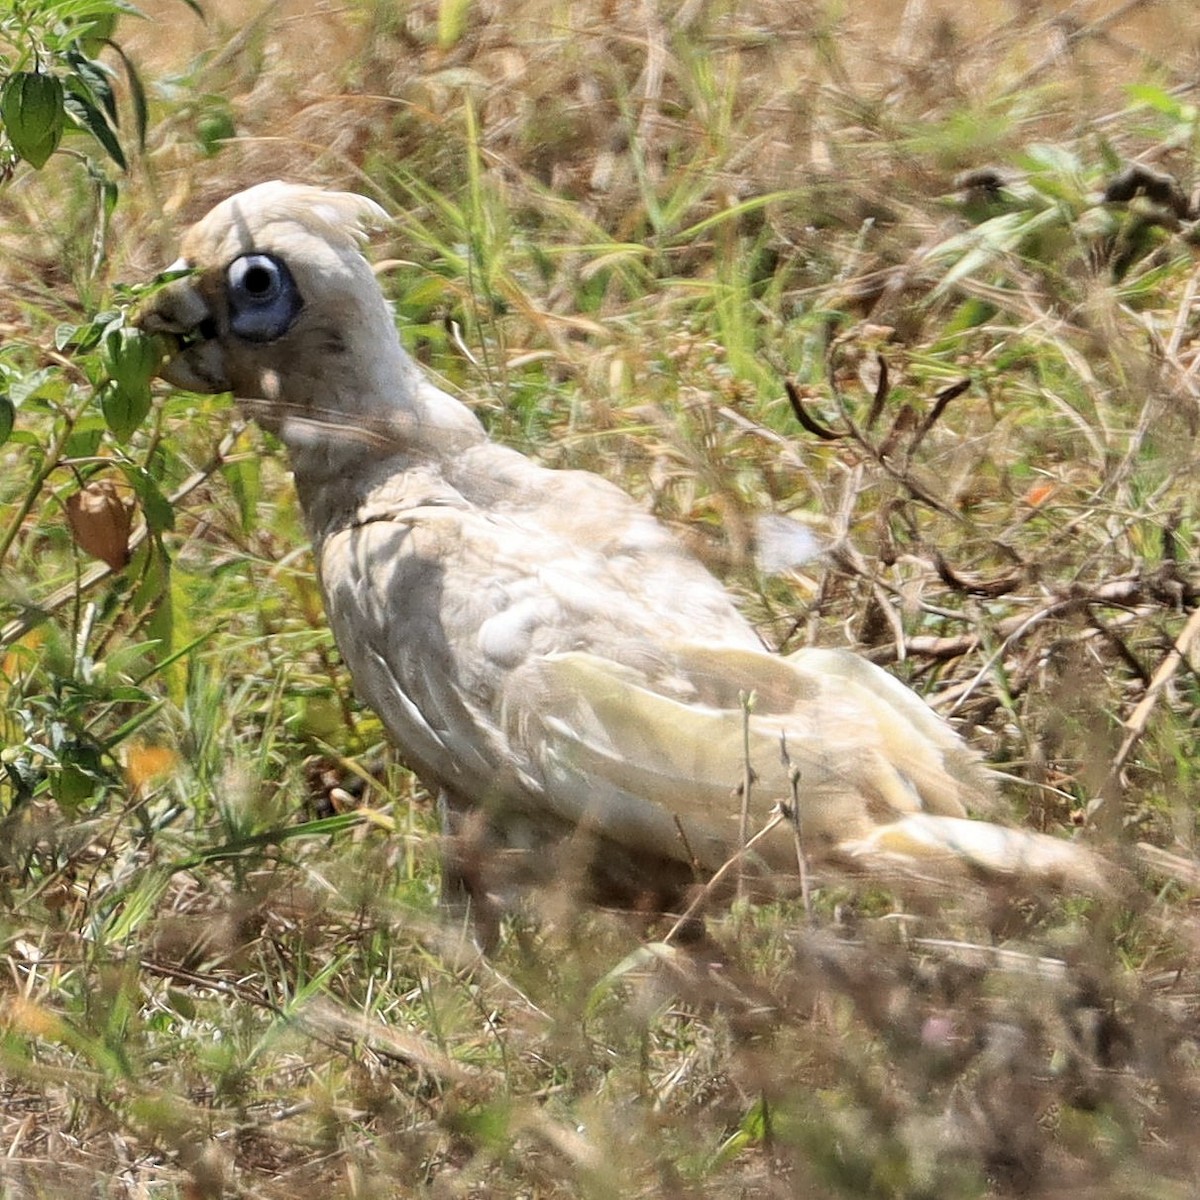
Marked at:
<point>1134,591</point>
<point>985,588</point>
<point>881,392</point>
<point>941,400</point>
<point>906,419</point>
<point>804,417</point>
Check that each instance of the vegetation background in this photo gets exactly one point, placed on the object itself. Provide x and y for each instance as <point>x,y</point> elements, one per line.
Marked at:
<point>921,278</point>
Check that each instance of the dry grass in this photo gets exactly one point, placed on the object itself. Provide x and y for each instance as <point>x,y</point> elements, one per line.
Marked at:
<point>222,979</point>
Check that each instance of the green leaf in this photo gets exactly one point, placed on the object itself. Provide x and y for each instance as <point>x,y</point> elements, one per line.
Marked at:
<point>65,335</point>
<point>124,408</point>
<point>84,109</point>
<point>1164,102</point>
<point>97,32</point>
<point>72,786</point>
<point>131,357</point>
<point>155,506</point>
<point>32,108</point>
<point>137,93</point>
<point>43,384</point>
<point>79,338</point>
<point>98,80</point>
<point>84,439</point>
<point>214,127</point>
<point>8,416</point>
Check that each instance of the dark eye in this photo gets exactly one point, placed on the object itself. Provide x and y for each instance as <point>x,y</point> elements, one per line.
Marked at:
<point>263,297</point>
<point>257,276</point>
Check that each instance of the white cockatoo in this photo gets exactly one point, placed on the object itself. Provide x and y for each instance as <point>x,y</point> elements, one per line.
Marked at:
<point>543,653</point>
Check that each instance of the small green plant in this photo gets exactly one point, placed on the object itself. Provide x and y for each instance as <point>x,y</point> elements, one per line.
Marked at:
<point>55,83</point>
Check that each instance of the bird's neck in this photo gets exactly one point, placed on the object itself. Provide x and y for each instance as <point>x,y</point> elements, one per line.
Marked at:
<point>379,424</point>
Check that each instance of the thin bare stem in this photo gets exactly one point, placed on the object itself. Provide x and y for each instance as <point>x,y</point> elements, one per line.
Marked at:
<point>721,873</point>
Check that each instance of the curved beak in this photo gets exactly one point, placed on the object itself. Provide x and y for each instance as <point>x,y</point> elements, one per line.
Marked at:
<point>180,314</point>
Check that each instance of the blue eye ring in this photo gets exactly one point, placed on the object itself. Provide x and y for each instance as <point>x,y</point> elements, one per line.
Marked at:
<point>263,298</point>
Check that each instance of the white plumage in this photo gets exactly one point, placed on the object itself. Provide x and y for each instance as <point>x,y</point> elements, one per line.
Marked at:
<point>543,653</point>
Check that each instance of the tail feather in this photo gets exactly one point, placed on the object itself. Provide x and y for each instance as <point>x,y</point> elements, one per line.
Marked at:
<point>995,850</point>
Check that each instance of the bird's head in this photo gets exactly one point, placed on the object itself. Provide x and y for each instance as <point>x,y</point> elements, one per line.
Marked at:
<point>279,306</point>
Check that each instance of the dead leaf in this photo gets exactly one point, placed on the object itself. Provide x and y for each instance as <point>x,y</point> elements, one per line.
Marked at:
<point>101,518</point>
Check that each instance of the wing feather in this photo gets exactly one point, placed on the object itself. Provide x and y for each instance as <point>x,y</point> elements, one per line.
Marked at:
<point>591,726</point>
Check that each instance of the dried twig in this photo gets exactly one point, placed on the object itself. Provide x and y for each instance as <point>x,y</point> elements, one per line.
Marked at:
<point>1116,593</point>
<point>1103,808</point>
<point>881,393</point>
<point>805,417</point>
<point>941,400</point>
<point>986,588</point>
<point>719,875</point>
<point>747,784</point>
